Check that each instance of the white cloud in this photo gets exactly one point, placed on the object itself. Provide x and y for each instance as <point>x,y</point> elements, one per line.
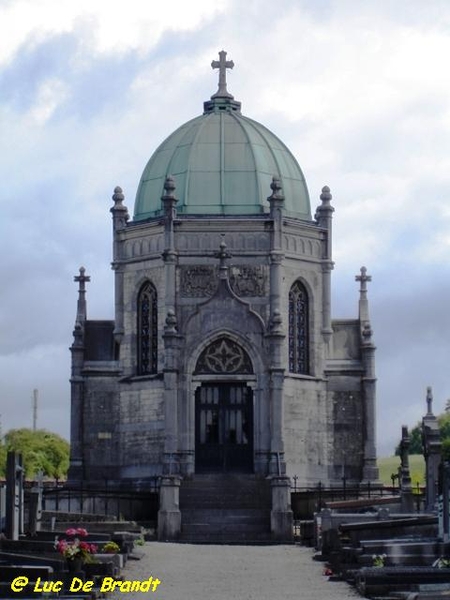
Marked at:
<point>107,27</point>
<point>50,95</point>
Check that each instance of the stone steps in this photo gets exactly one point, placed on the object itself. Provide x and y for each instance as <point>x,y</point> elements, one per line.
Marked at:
<point>225,509</point>
<point>218,515</point>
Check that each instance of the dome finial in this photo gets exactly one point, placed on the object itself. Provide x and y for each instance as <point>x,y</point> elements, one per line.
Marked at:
<point>222,64</point>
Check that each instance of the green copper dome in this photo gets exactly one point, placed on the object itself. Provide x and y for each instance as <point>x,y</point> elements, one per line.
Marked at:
<point>222,164</point>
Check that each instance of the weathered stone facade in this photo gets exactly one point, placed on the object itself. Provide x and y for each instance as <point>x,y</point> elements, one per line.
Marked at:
<point>223,312</point>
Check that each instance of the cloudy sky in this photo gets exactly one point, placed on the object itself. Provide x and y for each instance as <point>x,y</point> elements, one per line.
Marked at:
<point>358,90</point>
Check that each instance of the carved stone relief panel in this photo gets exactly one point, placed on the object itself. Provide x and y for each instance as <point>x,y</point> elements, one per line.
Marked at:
<point>247,280</point>
<point>197,281</point>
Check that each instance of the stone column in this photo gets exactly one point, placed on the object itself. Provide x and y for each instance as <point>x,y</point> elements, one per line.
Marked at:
<point>120,217</point>
<point>370,469</point>
<point>281,516</point>
<point>276,202</point>
<point>275,335</point>
<point>170,336</point>
<point>324,216</point>
<point>76,472</point>
<point>76,406</point>
<point>169,515</point>
<point>432,452</point>
<point>277,464</point>
<point>169,256</point>
<point>171,357</point>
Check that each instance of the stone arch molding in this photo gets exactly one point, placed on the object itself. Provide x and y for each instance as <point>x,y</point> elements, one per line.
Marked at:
<point>251,350</point>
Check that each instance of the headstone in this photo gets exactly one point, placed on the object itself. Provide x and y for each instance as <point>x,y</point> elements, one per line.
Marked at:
<point>432,453</point>
<point>444,503</point>
<point>2,507</point>
<point>35,506</point>
<point>406,495</point>
<point>14,496</point>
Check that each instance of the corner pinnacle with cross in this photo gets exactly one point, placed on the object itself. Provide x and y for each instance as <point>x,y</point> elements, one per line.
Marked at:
<point>363,278</point>
<point>81,279</point>
<point>222,64</point>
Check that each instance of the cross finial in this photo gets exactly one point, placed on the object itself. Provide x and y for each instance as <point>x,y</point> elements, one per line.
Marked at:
<point>222,64</point>
<point>363,279</point>
<point>429,401</point>
<point>82,279</point>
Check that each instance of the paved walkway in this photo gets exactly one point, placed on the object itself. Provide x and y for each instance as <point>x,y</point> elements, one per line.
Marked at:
<point>203,572</point>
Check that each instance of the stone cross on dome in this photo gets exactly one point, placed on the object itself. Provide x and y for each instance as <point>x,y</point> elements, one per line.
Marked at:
<point>222,64</point>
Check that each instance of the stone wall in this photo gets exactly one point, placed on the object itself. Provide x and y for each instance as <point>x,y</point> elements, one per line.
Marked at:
<point>307,430</point>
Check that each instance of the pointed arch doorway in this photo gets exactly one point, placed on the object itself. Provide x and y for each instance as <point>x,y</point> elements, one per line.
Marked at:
<point>224,409</point>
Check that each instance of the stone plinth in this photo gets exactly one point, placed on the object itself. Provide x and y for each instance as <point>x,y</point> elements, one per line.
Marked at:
<point>169,515</point>
<point>281,516</point>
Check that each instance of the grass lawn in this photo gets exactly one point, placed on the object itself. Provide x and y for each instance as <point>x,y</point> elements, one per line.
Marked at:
<point>390,465</point>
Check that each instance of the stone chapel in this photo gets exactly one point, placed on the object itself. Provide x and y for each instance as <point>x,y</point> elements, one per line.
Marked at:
<point>223,356</point>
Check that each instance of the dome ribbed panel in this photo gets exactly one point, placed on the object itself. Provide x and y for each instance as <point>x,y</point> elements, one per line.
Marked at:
<point>222,163</point>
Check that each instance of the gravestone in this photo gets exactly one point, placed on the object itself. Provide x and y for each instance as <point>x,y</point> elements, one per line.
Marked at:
<point>14,496</point>
<point>2,506</point>
<point>35,506</point>
<point>444,502</point>
<point>432,452</point>
<point>406,495</point>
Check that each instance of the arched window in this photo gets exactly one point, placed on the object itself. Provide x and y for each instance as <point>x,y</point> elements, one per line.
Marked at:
<point>147,329</point>
<point>298,329</point>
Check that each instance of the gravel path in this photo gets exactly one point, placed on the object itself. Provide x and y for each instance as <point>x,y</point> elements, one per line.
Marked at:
<point>203,572</point>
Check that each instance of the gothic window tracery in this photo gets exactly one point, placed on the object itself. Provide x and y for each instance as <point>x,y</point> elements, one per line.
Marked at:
<point>223,356</point>
<point>147,329</point>
<point>298,329</point>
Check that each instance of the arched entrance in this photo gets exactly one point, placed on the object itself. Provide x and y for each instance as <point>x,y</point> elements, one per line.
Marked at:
<point>224,409</point>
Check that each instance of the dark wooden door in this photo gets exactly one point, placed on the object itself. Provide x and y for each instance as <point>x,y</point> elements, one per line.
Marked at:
<point>224,428</point>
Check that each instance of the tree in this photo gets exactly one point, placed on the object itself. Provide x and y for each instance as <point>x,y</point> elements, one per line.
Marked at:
<point>415,436</point>
<point>444,426</point>
<point>415,441</point>
<point>2,460</point>
<point>41,451</point>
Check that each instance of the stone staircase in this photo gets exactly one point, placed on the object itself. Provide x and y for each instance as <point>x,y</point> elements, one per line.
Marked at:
<point>225,509</point>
